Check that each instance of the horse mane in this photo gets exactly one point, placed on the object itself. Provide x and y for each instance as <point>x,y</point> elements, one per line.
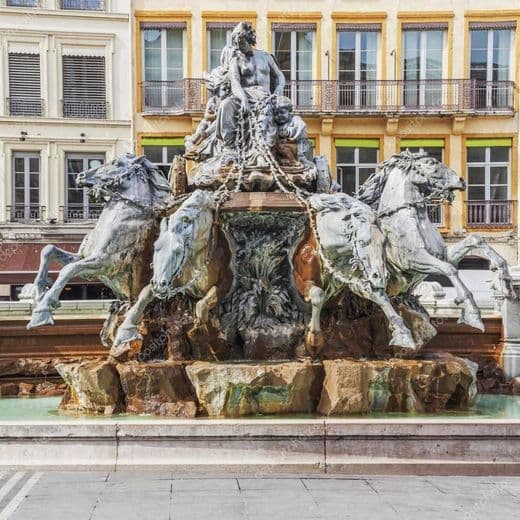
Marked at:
<point>370,192</point>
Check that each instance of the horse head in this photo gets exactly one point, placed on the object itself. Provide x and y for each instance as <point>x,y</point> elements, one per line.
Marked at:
<point>132,177</point>
<point>183,236</point>
<point>410,178</point>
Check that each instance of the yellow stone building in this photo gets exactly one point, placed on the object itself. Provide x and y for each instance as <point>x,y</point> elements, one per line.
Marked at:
<point>369,78</point>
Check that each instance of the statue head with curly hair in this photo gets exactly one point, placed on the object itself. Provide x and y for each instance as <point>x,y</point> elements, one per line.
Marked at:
<point>243,38</point>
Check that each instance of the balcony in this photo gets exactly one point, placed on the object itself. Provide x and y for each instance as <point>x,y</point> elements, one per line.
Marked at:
<point>81,213</point>
<point>24,107</point>
<point>26,213</point>
<point>82,5</point>
<point>437,214</point>
<point>489,213</point>
<point>85,109</point>
<point>389,97</point>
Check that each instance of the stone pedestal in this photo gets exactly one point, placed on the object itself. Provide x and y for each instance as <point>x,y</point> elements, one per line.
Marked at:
<point>511,324</point>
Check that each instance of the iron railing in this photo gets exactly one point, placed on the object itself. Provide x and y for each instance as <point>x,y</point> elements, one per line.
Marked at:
<point>81,213</point>
<point>437,214</point>
<point>26,212</point>
<point>83,5</point>
<point>444,96</point>
<point>20,106</point>
<point>85,109</point>
<point>489,213</point>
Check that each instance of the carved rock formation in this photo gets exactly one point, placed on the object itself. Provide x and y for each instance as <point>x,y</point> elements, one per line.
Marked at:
<point>235,390</point>
<point>397,385</point>
<point>93,387</point>
<point>158,388</point>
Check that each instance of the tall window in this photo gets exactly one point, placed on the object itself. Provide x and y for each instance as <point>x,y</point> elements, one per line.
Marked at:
<point>84,87</point>
<point>26,199</point>
<point>423,64</point>
<point>162,151</point>
<point>24,85</point>
<point>356,160</point>
<point>294,51</point>
<point>357,64</point>
<point>490,63</point>
<point>488,182</point>
<point>163,66</point>
<point>78,205</point>
<point>218,35</point>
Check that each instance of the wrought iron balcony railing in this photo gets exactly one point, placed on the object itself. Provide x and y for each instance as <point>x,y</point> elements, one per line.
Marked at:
<point>26,213</point>
<point>489,213</point>
<point>85,109</point>
<point>445,96</point>
<point>24,107</point>
<point>81,213</point>
<point>83,5</point>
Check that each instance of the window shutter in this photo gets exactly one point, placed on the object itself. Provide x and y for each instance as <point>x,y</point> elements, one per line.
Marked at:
<point>84,88</point>
<point>24,85</point>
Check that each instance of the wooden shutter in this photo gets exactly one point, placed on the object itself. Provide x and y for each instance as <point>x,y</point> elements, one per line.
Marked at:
<point>24,84</point>
<point>84,86</point>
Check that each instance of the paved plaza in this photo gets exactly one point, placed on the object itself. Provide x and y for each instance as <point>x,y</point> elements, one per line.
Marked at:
<point>39,495</point>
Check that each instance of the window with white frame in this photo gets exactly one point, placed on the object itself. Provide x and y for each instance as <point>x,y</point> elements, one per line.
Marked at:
<point>423,63</point>
<point>218,36</point>
<point>24,84</point>
<point>489,182</point>
<point>295,54</point>
<point>84,87</point>
<point>490,63</point>
<point>26,187</point>
<point>161,151</point>
<point>163,64</point>
<point>357,64</point>
<point>356,160</point>
<point>78,206</point>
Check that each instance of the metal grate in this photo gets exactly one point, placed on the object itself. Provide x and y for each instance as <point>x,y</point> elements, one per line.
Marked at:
<point>489,213</point>
<point>83,5</point>
<point>26,213</point>
<point>74,213</point>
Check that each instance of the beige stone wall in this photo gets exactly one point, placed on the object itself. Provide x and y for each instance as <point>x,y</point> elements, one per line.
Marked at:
<point>325,128</point>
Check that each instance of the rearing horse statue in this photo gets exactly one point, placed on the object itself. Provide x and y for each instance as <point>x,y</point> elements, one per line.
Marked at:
<point>118,251</point>
<point>399,194</point>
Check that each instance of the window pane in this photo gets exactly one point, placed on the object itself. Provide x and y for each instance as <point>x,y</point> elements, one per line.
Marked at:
<point>74,165</point>
<point>18,164</point>
<point>345,155</point>
<point>153,153</point>
<point>34,196</point>
<point>19,180</point>
<point>19,196</point>
<point>347,179</point>
<point>476,193</point>
<point>498,193</point>
<point>498,175</point>
<point>435,151</point>
<point>499,154</point>
<point>34,164</point>
<point>368,155</point>
<point>34,180</point>
<point>152,54</point>
<point>75,197</point>
<point>476,175</point>
<point>476,154</point>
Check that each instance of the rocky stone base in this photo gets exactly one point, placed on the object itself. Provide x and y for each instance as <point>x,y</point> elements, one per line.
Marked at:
<point>338,387</point>
<point>411,386</point>
<point>235,390</point>
<point>26,389</point>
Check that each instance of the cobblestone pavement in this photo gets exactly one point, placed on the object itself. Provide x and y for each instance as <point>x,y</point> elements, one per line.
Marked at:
<point>39,495</point>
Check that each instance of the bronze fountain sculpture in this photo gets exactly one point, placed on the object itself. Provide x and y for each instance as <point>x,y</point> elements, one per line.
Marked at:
<point>254,253</point>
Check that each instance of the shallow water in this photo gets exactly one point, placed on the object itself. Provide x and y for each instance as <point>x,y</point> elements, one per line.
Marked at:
<point>46,409</point>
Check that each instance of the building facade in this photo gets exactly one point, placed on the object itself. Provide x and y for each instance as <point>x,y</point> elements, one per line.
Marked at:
<point>66,105</point>
<point>370,79</point>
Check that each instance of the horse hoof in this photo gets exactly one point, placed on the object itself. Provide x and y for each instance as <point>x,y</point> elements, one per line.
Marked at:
<point>40,318</point>
<point>314,343</point>
<point>403,341</point>
<point>472,319</point>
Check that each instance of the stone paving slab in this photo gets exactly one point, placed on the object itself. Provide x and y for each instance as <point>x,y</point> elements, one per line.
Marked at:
<point>158,495</point>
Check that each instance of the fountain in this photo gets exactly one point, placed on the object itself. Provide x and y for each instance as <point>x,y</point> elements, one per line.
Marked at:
<point>249,285</point>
